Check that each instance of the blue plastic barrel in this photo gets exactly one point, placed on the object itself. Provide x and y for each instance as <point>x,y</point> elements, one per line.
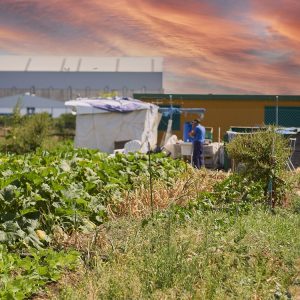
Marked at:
<point>186,129</point>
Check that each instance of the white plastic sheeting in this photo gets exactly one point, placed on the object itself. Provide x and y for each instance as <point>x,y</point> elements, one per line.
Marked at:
<point>98,128</point>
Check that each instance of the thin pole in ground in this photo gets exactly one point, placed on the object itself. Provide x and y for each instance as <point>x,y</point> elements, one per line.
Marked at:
<point>271,175</point>
<point>150,178</point>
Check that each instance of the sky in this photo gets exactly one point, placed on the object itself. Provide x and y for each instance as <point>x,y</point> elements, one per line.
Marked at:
<point>208,46</point>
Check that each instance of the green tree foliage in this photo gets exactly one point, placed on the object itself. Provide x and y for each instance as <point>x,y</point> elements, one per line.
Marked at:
<point>28,133</point>
<point>65,124</point>
<point>10,120</point>
<point>262,157</point>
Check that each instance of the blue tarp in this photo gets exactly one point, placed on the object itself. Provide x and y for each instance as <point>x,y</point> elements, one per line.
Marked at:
<point>168,111</point>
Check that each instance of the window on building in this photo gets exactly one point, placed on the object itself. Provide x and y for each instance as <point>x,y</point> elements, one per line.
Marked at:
<point>30,110</point>
<point>32,90</point>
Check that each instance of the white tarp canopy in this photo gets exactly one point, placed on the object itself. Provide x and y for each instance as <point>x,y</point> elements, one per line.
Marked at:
<point>100,123</point>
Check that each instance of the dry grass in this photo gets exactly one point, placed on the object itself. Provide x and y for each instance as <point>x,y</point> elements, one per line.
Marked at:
<point>53,289</point>
<point>81,241</point>
<point>137,203</point>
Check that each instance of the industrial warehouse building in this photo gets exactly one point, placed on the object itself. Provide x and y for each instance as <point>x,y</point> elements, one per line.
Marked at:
<point>224,111</point>
<point>31,104</point>
<point>66,78</point>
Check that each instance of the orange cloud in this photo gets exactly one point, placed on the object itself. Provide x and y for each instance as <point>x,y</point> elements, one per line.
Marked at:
<point>283,16</point>
<point>251,50</point>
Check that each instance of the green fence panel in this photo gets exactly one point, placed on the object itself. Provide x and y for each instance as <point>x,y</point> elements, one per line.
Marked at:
<point>288,116</point>
<point>164,120</point>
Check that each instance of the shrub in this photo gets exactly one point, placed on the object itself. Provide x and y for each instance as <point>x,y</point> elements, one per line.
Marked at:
<point>29,134</point>
<point>263,156</point>
<point>13,119</point>
<point>65,124</point>
<point>5,120</point>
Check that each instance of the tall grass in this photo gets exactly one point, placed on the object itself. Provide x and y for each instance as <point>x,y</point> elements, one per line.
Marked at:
<point>137,203</point>
<point>211,256</point>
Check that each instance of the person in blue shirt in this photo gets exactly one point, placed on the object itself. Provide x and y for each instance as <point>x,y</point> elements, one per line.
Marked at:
<point>198,135</point>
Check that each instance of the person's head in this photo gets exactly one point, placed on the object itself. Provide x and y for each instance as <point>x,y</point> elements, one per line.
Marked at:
<point>196,121</point>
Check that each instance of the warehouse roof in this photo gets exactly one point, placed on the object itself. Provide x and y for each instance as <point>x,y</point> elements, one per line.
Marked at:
<point>80,64</point>
<point>27,100</point>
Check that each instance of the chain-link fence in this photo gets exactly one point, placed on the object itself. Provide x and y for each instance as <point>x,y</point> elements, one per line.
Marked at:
<point>72,93</point>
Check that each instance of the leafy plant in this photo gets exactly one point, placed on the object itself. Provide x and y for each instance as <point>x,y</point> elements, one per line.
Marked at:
<point>262,156</point>
<point>22,275</point>
<point>69,188</point>
<point>239,193</point>
<point>234,195</point>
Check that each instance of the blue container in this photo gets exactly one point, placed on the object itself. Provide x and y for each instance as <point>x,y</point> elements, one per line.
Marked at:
<point>186,129</point>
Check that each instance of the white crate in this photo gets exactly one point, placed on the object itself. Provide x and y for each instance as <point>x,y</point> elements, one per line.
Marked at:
<point>186,148</point>
<point>212,149</point>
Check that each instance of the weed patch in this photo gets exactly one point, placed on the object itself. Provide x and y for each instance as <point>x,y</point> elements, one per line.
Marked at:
<point>211,256</point>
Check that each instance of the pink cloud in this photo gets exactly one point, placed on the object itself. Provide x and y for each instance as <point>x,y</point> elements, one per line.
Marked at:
<point>283,16</point>
<point>247,51</point>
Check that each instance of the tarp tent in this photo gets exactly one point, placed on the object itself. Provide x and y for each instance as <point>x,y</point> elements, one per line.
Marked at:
<point>102,123</point>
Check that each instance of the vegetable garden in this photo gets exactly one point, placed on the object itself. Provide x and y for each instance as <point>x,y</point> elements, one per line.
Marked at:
<point>145,226</point>
<point>61,191</point>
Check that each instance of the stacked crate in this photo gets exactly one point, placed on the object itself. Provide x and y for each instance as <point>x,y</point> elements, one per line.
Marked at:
<point>212,153</point>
